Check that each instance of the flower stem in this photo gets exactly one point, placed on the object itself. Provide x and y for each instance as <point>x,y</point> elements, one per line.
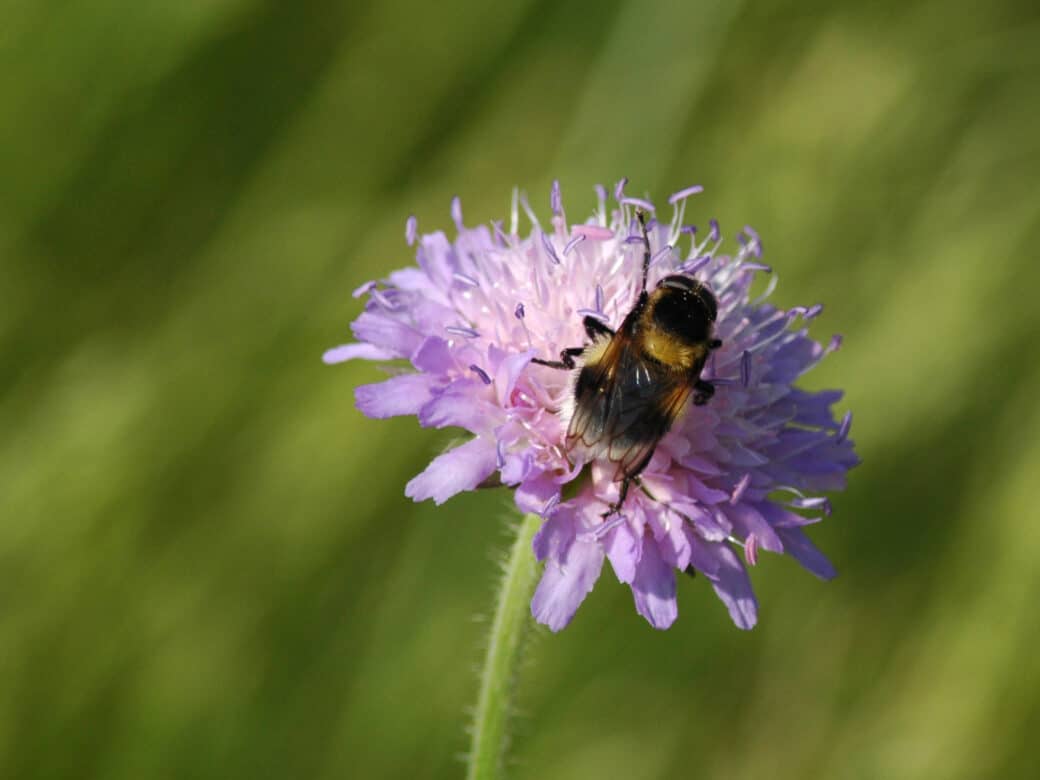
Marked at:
<point>505,644</point>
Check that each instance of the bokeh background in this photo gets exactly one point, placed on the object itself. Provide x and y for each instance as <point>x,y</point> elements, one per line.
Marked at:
<point>208,568</point>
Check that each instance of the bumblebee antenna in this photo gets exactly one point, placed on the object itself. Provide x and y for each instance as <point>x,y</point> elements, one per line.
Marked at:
<point>646,248</point>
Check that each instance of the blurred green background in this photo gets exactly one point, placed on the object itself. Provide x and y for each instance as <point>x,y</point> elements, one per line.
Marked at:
<point>208,568</point>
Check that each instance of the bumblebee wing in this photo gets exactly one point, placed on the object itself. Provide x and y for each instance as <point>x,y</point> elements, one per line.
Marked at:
<point>623,405</point>
<point>631,448</point>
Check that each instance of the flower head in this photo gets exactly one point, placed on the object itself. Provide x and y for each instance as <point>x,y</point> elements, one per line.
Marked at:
<point>738,475</point>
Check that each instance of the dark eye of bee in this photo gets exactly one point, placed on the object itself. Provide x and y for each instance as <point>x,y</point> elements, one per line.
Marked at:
<point>684,307</point>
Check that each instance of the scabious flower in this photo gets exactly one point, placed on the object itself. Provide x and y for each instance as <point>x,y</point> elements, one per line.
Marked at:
<point>743,473</point>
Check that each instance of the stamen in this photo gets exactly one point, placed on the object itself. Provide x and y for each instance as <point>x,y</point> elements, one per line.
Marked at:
<point>813,311</point>
<point>572,243</point>
<point>458,330</point>
<point>500,458</point>
<point>469,281</point>
<point>481,373</point>
<point>599,298</point>
<point>835,344</point>
<point>751,550</point>
<point>514,219</point>
<point>364,289</point>
<point>844,428</point>
<point>550,505</point>
<point>526,205</point>
<point>547,243</point>
<point>411,229</point>
<point>813,502</point>
<point>383,300</point>
<point>740,487</point>
<point>696,189</point>
<point>555,200</point>
<point>634,240</point>
<point>619,189</point>
<point>745,368</point>
<point>500,234</point>
<point>693,266</point>
<point>715,233</point>
<point>638,202</point>
<point>755,245</point>
<point>456,212</point>
<point>690,230</point>
<point>661,253</point>
<point>593,232</point>
<point>518,312</point>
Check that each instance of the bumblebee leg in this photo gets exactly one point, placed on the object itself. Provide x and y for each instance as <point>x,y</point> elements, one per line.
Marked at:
<point>646,249</point>
<point>714,343</point>
<point>622,495</point>
<point>566,361</point>
<point>595,328</point>
<point>703,392</point>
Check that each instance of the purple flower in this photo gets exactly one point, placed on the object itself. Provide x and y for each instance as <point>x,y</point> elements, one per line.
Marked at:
<point>737,476</point>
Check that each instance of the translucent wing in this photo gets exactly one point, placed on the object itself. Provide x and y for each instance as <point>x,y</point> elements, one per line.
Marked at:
<point>623,405</point>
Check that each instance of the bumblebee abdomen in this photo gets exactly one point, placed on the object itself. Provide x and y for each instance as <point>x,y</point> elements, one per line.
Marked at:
<point>670,351</point>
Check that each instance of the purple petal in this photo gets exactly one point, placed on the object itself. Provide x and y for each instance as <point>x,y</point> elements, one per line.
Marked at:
<point>462,468</point>
<point>434,356</point>
<point>555,536</point>
<point>702,557</point>
<point>387,333</point>
<point>460,407</point>
<point>748,520</point>
<point>536,491</point>
<point>798,546</point>
<point>733,587</point>
<point>399,395</point>
<point>654,587</point>
<point>565,584</point>
<point>346,352</point>
<point>508,372</point>
<point>623,551</point>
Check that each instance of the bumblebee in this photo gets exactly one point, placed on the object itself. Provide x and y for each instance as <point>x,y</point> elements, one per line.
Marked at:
<point>632,384</point>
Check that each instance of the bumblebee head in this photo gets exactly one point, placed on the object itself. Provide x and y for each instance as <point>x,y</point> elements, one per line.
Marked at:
<point>683,308</point>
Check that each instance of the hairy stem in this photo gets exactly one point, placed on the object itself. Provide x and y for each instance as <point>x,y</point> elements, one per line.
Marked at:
<point>505,643</point>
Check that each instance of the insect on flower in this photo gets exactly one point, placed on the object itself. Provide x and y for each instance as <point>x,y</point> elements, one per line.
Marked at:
<point>634,382</point>
<point>692,399</point>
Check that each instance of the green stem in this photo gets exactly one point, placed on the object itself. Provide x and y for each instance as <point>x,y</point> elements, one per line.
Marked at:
<point>503,656</point>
